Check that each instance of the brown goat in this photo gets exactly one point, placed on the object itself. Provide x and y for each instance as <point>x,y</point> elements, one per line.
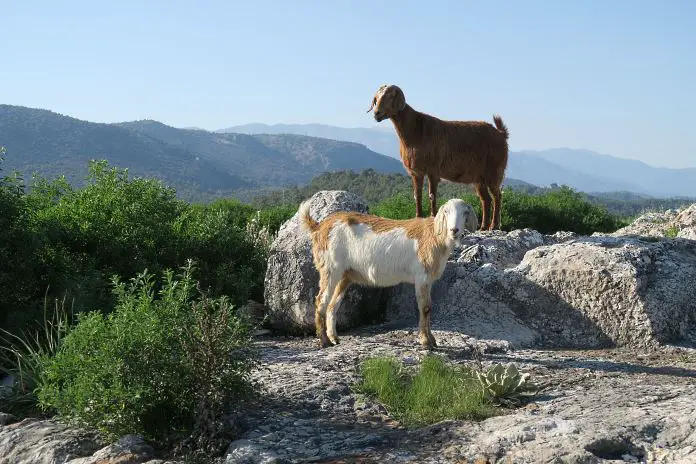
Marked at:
<point>468,152</point>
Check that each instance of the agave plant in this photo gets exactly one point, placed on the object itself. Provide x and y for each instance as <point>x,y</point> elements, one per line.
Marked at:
<point>504,385</point>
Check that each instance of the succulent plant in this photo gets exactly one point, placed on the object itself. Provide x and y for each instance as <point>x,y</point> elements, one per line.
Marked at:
<point>504,385</point>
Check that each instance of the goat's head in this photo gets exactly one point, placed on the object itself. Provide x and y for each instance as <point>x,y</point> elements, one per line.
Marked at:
<point>454,219</point>
<point>387,102</point>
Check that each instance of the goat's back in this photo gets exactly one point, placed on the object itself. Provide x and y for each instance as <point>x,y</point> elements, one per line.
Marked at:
<point>459,151</point>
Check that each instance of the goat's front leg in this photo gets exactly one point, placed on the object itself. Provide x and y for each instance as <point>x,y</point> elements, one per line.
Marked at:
<point>425,336</point>
<point>417,180</point>
<point>432,191</point>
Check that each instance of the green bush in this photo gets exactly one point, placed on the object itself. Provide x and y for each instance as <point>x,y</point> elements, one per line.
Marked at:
<point>161,362</point>
<point>558,210</point>
<point>59,242</point>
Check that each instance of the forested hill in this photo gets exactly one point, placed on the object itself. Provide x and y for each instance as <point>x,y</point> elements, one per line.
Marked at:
<point>199,164</point>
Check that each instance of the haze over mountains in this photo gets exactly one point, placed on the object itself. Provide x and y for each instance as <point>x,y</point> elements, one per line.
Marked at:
<point>583,170</point>
<point>260,157</point>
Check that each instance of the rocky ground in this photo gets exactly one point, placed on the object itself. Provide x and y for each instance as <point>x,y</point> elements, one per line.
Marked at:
<point>598,406</point>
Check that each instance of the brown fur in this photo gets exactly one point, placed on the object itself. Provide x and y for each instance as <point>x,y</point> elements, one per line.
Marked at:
<point>469,152</point>
<point>419,229</point>
<point>430,239</point>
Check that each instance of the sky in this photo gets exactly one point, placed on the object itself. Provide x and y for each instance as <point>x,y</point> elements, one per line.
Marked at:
<point>611,76</point>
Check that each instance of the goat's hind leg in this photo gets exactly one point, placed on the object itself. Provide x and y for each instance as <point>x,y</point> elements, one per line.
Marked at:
<point>432,193</point>
<point>334,304</point>
<point>497,207</point>
<point>327,285</point>
<point>485,197</point>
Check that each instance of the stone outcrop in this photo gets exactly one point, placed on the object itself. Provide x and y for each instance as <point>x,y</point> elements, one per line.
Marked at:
<point>292,281</point>
<point>670,223</point>
<point>48,441</point>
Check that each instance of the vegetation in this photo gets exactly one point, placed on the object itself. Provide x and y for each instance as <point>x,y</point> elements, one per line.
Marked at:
<point>62,242</point>
<point>561,209</point>
<point>156,365</point>
<point>375,187</point>
<point>437,391</point>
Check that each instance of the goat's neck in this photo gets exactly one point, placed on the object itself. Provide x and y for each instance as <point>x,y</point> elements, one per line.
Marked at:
<point>408,124</point>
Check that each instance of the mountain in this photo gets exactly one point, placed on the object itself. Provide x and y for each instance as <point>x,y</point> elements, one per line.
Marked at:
<point>381,139</point>
<point>52,144</point>
<point>192,161</point>
<point>583,170</point>
<point>661,182</point>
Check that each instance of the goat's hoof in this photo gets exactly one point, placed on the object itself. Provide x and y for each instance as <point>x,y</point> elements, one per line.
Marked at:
<point>333,340</point>
<point>324,343</point>
<point>432,341</point>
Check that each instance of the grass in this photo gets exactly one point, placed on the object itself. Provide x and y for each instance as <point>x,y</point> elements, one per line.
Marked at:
<point>671,232</point>
<point>22,357</point>
<point>436,392</point>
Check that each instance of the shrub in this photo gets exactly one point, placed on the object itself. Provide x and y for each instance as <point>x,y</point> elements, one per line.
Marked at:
<point>558,210</point>
<point>436,392</point>
<point>154,365</point>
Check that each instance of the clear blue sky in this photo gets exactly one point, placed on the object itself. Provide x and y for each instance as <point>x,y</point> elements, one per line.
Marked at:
<point>615,76</point>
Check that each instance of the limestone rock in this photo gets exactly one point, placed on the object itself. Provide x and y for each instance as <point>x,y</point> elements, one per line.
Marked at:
<point>611,290</point>
<point>669,223</point>
<point>44,442</point>
<point>49,441</point>
<point>292,281</point>
<point>581,292</point>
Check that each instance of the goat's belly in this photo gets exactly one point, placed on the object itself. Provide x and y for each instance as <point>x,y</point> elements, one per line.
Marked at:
<point>383,270</point>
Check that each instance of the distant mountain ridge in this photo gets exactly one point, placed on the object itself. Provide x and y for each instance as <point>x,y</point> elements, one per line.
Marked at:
<point>583,170</point>
<point>192,161</point>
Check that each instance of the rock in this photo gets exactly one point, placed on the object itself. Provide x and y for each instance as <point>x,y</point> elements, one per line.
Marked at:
<point>253,312</point>
<point>129,449</point>
<point>44,441</point>
<point>292,281</point>
<point>668,224</point>
<point>652,224</point>
<point>582,292</point>
<point>686,223</point>
<point>7,419</point>
<point>615,290</point>
<point>33,441</point>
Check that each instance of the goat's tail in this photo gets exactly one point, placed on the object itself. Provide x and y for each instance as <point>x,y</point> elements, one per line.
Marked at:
<point>500,125</point>
<point>309,224</point>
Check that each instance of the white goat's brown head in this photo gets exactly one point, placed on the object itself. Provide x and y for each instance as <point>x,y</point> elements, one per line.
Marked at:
<point>387,102</point>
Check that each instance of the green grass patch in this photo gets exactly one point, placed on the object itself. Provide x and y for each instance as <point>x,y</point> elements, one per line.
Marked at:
<point>671,232</point>
<point>437,391</point>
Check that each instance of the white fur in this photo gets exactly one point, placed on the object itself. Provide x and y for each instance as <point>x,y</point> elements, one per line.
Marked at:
<point>389,258</point>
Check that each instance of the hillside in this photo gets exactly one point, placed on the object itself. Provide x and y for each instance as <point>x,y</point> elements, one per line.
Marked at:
<point>197,163</point>
<point>583,170</point>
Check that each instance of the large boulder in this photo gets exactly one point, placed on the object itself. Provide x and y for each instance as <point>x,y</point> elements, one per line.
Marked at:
<point>292,281</point>
<point>583,292</point>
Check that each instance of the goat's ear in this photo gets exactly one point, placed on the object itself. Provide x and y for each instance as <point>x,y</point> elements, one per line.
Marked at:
<point>372,105</point>
<point>441,221</point>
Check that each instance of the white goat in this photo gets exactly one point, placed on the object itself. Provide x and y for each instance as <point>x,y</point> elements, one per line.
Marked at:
<point>369,250</point>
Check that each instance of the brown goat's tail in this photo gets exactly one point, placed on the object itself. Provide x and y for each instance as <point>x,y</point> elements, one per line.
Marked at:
<point>309,224</point>
<point>500,125</point>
